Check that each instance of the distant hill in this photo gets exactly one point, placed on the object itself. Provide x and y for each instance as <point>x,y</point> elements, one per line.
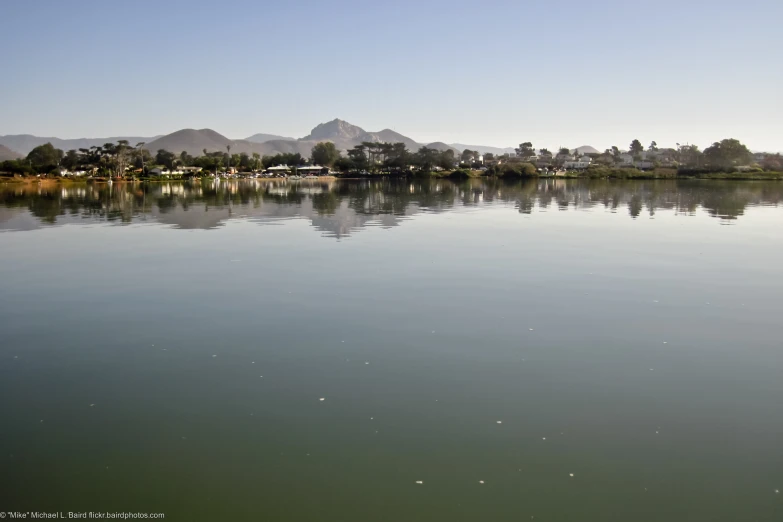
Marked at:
<point>587,149</point>
<point>195,141</point>
<point>8,154</point>
<point>345,135</point>
<point>191,141</point>
<point>439,145</point>
<point>390,136</point>
<point>24,143</point>
<point>483,148</point>
<point>263,138</point>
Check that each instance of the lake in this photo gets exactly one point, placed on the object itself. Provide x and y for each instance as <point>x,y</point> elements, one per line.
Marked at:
<point>394,350</point>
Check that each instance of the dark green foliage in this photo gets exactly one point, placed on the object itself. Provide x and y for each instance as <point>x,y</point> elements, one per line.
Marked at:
<point>727,153</point>
<point>325,153</point>
<point>515,170</point>
<point>45,157</point>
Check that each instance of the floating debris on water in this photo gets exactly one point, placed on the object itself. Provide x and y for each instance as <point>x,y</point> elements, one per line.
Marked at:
<point>651,369</point>
<point>365,362</point>
<point>570,474</point>
<point>91,405</point>
<point>419,482</point>
<point>322,399</point>
<point>500,422</point>
<point>543,438</point>
<point>214,356</point>
<point>481,481</point>
<point>530,329</point>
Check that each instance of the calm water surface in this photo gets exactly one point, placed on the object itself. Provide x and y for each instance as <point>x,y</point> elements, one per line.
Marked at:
<point>592,351</point>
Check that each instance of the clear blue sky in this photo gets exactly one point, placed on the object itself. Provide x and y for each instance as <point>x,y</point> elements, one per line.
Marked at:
<point>558,72</point>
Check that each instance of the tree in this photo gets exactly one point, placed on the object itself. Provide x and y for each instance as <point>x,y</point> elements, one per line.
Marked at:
<point>772,162</point>
<point>564,152</point>
<point>616,153</point>
<point>489,156</point>
<point>447,159</point>
<point>689,155</point>
<point>359,157</point>
<point>344,164</point>
<point>636,147</point>
<point>71,159</point>
<point>185,159</point>
<point>45,157</point>
<point>256,161</point>
<point>727,153</point>
<point>397,156</point>
<point>545,152</point>
<point>525,150</point>
<point>325,153</point>
<point>122,157</point>
<point>653,147</point>
<point>140,150</point>
<point>469,156</point>
<point>426,158</point>
<point>165,158</point>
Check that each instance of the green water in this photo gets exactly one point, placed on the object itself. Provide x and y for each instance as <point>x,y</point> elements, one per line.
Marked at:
<point>164,348</point>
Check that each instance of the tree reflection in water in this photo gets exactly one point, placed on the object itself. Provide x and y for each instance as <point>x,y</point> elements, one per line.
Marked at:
<point>340,207</point>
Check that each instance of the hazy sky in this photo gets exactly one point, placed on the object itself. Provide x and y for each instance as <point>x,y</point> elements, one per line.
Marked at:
<point>556,72</point>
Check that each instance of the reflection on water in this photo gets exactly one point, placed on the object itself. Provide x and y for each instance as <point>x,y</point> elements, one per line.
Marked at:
<point>340,207</point>
<point>541,350</point>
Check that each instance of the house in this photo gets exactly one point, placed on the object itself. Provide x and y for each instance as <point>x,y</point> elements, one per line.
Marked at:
<point>280,170</point>
<point>312,170</point>
<point>578,163</point>
<point>158,171</point>
<point>543,161</point>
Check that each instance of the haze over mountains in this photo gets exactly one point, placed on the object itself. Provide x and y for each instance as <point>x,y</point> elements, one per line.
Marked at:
<point>195,141</point>
<point>7,154</point>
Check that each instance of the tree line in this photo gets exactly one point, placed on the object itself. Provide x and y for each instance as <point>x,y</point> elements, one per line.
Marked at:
<point>123,159</point>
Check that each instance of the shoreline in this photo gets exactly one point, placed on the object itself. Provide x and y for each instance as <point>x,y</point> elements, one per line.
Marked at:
<point>737,176</point>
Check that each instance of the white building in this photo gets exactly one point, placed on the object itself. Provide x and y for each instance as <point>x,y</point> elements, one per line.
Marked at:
<point>578,163</point>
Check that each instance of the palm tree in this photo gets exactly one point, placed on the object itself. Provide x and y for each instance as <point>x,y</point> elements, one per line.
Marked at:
<point>228,156</point>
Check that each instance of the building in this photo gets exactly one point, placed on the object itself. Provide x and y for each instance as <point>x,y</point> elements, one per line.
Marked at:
<point>279,170</point>
<point>313,170</point>
<point>578,163</point>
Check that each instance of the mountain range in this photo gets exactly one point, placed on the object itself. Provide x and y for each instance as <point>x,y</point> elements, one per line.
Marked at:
<point>195,141</point>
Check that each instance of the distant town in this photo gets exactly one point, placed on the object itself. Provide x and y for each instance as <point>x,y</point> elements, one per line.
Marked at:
<point>340,149</point>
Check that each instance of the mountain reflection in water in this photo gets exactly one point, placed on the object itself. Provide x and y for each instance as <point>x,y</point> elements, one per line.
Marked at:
<point>339,208</point>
